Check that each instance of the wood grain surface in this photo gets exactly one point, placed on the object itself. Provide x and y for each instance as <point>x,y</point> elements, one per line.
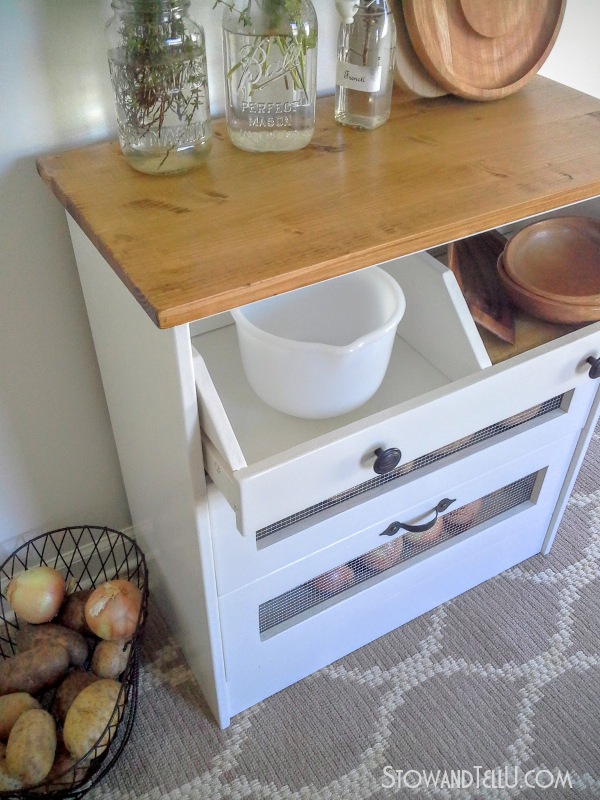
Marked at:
<point>542,307</point>
<point>481,49</point>
<point>530,332</point>
<point>247,226</point>
<point>409,73</point>
<point>557,258</point>
<point>474,263</point>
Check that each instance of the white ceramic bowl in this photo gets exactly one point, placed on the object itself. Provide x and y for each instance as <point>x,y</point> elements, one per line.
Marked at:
<point>322,350</point>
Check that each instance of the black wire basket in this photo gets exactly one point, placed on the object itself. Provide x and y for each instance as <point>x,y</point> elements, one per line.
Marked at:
<point>86,556</point>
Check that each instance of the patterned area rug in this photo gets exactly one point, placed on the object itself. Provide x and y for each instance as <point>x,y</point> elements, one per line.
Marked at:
<point>505,678</point>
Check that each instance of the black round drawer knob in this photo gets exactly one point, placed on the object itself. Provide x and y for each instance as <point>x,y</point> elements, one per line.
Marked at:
<point>386,460</point>
<point>594,367</point>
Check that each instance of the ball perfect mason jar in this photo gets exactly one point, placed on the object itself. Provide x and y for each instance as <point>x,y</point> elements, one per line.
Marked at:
<point>157,62</point>
<point>270,56</point>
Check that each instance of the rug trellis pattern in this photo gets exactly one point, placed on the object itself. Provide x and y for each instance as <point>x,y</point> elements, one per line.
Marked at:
<point>506,676</point>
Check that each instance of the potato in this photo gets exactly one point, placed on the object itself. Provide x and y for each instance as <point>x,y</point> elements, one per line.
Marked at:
<point>33,670</point>
<point>425,539</point>
<point>7,783</point>
<point>11,708</point>
<point>68,690</point>
<point>88,717</point>
<point>384,557</point>
<point>63,773</point>
<point>110,658</point>
<point>73,642</point>
<point>72,613</point>
<point>462,518</point>
<point>334,581</point>
<point>31,747</point>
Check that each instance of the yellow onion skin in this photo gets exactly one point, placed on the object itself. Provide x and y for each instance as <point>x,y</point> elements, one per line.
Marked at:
<point>36,594</point>
<point>112,610</point>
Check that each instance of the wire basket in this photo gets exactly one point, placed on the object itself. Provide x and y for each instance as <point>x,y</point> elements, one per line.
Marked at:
<point>86,556</point>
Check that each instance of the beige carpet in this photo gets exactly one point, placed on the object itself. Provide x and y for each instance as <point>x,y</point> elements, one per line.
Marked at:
<point>503,678</point>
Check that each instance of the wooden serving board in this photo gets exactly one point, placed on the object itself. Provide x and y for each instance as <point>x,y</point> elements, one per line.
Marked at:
<point>529,333</point>
<point>481,49</point>
<point>410,74</point>
<point>473,262</point>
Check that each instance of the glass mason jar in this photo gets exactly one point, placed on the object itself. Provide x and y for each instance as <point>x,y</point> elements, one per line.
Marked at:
<point>270,54</point>
<point>157,62</point>
<point>365,66</point>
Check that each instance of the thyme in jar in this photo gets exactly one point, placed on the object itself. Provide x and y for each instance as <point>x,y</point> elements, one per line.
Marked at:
<point>273,10</point>
<point>157,68</point>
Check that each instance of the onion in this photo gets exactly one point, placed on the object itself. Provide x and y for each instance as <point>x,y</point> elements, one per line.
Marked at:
<point>36,594</point>
<point>113,609</point>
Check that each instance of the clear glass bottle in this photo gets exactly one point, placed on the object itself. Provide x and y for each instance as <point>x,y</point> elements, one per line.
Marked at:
<point>365,66</point>
<point>270,54</point>
<point>157,62</point>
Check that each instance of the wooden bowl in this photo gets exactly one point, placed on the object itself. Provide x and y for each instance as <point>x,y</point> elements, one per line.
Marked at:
<point>558,259</point>
<point>543,307</point>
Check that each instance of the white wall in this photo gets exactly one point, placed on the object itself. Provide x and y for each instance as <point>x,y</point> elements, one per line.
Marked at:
<point>58,464</point>
<point>575,57</point>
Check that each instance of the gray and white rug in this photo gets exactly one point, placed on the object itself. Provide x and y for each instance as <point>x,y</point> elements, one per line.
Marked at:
<point>495,694</point>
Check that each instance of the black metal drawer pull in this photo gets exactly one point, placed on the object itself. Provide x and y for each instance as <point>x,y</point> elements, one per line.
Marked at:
<point>386,460</point>
<point>394,527</point>
<point>594,367</point>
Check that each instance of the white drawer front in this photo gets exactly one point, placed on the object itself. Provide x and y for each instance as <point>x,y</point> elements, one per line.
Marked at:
<point>279,495</point>
<point>298,464</point>
<point>242,560</point>
<point>281,628</point>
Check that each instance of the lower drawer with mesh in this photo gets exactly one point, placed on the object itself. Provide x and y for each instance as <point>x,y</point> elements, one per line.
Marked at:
<point>398,550</point>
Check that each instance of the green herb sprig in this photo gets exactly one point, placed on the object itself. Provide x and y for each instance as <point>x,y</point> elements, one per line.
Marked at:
<point>152,78</point>
<point>293,46</point>
<point>274,10</point>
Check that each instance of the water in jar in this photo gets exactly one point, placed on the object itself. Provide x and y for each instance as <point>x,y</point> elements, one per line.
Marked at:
<point>164,132</point>
<point>365,66</point>
<point>270,91</point>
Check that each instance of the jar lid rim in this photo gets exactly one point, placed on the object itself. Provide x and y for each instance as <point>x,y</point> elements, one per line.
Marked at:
<point>149,5</point>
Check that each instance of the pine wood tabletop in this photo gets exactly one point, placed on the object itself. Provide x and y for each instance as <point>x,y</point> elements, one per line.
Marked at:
<point>247,226</point>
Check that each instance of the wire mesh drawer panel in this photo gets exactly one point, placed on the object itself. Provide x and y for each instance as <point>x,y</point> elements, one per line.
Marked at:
<point>310,594</point>
<point>537,412</point>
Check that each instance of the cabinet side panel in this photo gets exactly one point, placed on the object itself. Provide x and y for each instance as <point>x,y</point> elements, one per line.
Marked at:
<point>573,471</point>
<point>149,384</point>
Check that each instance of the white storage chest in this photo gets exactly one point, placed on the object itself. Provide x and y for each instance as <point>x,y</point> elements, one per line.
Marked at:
<point>276,545</point>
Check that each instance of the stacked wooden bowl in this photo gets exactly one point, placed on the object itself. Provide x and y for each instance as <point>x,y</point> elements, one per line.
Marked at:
<point>551,269</point>
<point>477,49</point>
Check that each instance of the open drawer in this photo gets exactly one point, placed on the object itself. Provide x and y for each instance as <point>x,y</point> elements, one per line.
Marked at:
<point>440,388</point>
<point>242,560</point>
